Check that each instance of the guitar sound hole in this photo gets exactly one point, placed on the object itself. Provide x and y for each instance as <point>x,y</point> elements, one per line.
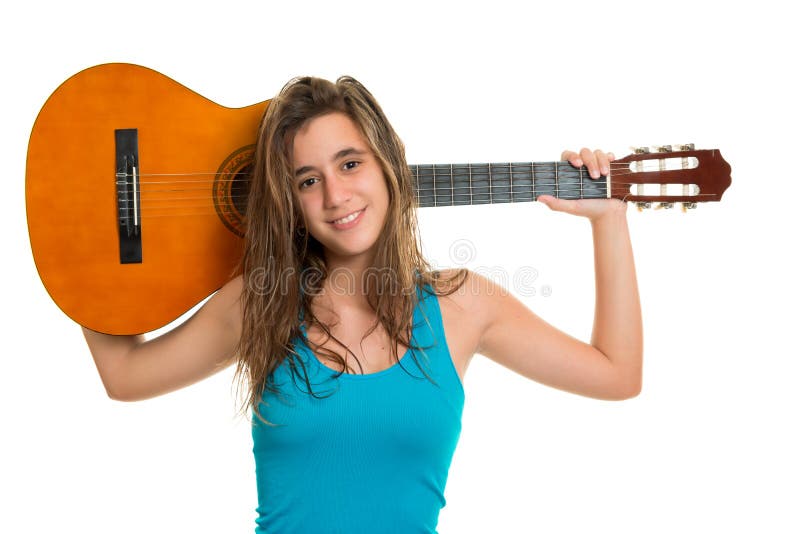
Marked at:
<point>240,189</point>
<point>231,187</point>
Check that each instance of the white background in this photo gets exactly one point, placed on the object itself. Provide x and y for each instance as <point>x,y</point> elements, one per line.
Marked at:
<point>709,445</point>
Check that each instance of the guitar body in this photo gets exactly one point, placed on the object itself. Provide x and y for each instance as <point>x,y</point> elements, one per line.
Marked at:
<point>190,150</point>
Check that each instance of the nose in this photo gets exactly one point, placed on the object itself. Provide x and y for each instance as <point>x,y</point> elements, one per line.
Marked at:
<point>336,189</point>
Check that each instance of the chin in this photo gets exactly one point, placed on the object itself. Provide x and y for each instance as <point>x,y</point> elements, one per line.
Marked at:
<point>351,251</point>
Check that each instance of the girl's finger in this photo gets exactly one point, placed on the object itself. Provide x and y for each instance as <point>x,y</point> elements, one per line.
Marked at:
<point>602,161</point>
<point>590,160</point>
<point>572,157</point>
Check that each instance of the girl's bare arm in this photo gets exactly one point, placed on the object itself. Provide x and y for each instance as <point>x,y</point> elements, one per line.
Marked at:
<point>134,369</point>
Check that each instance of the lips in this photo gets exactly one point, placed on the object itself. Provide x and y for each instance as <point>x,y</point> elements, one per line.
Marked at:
<point>351,219</point>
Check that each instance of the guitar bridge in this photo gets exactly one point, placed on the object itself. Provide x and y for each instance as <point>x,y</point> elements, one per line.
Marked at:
<point>129,213</point>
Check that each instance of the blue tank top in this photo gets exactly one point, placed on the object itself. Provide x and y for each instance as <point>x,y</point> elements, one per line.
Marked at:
<point>372,455</point>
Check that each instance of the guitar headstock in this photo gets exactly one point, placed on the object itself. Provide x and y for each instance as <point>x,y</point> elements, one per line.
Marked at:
<point>670,174</point>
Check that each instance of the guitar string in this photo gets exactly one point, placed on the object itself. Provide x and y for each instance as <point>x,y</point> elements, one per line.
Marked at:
<point>209,212</point>
<point>437,184</point>
<point>500,169</point>
<point>148,217</point>
<point>517,189</point>
<point>442,166</point>
<point>462,171</point>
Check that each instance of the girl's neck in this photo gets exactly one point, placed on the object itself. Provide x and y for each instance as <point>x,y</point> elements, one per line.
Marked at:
<point>345,284</point>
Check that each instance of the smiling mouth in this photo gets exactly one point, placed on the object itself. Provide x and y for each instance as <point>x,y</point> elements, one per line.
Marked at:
<point>347,218</point>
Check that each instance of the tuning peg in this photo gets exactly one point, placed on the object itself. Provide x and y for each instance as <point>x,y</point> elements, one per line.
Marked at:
<point>639,167</point>
<point>685,165</point>
<point>666,205</point>
<point>689,205</point>
<point>662,165</point>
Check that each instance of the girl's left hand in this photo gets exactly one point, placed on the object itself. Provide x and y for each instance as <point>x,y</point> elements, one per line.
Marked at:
<point>598,163</point>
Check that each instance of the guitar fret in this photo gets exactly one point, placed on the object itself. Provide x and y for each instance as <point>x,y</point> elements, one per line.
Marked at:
<point>452,190</point>
<point>511,179</point>
<point>461,186</point>
<point>434,185</point>
<point>469,169</point>
<point>556,195</point>
<point>491,186</point>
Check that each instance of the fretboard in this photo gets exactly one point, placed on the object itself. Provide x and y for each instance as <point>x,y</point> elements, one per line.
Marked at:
<point>492,183</point>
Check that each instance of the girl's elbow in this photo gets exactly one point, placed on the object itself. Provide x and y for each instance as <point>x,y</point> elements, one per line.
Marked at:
<point>632,391</point>
<point>630,387</point>
<point>120,393</point>
<point>623,384</point>
<point>116,394</point>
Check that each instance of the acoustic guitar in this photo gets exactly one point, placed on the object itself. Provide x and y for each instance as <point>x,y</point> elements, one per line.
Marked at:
<point>136,190</point>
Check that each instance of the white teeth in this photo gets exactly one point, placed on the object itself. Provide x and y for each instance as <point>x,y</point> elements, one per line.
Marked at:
<point>347,219</point>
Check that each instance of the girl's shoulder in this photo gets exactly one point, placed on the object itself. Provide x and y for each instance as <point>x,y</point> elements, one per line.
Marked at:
<point>472,302</point>
<point>444,282</point>
<point>462,296</point>
<point>462,300</point>
<point>462,285</point>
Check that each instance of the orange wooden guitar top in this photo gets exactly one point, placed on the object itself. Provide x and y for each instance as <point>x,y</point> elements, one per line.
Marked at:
<point>190,247</point>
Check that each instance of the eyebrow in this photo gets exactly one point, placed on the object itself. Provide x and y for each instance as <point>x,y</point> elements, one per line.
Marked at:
<point>341,154</point>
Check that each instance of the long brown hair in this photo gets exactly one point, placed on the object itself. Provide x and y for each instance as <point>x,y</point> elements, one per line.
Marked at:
<point>283,267</point>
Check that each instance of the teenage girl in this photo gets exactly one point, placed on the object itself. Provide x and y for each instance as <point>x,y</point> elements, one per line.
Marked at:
<point>351,348</point>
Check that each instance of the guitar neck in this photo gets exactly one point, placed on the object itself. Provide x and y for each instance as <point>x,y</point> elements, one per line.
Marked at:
<point>494,183</point>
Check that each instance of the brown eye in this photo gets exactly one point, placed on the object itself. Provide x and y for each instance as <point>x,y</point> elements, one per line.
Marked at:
<point>306,183</point>
<point>350,165</point>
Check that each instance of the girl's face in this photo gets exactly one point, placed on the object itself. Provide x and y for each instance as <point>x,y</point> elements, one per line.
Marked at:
<point>340,187</point>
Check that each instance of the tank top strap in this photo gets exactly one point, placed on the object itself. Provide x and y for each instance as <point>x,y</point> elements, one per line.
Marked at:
<point>428,327</point>
<point>429,335</point>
